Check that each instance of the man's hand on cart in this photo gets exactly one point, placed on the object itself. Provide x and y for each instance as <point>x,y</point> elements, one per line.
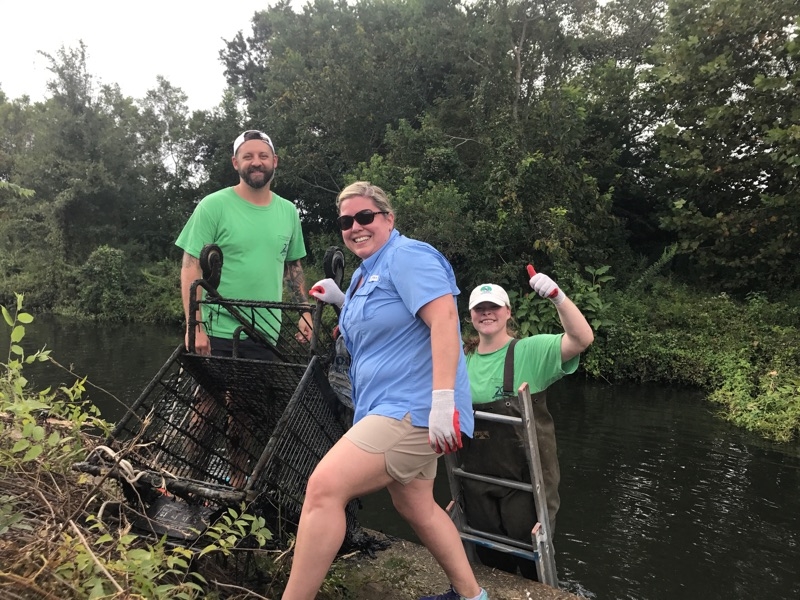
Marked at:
<point>305,328</point>
<point>202,345</point>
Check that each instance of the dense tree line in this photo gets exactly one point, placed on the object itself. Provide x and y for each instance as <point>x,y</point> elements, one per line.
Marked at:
<point>643,152</point>
<point>568,133</point>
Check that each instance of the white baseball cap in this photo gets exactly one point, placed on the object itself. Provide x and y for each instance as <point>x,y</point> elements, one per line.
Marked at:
<point>255,135</point>
<point>488,292</point>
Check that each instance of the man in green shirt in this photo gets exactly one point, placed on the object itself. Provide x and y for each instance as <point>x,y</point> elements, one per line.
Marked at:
<point>260,237</point>
<point>262,243</point>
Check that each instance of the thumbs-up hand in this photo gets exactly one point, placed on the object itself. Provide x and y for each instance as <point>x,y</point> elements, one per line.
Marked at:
<point>545,286</point>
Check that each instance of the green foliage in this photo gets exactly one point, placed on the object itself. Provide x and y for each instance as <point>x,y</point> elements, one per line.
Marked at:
<point>327,82</point>
<point>28,263</point>
<point>108,286</point>
<point>762,391</point>
<point>34,444</point>
<point>10,517</point>
<point>16,190</point>
<point>535,315</point>
<point>103,284</point>
<point>107,172</point>
<point>13,384</point>
<point>232,527</point>
<point>130,564</point>
<point>156,297</point>
<point>723,83</point>
<point>654,269</point>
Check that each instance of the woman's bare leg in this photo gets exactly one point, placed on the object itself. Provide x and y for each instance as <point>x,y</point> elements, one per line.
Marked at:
<point>415,503</point>
<point>344,473</point>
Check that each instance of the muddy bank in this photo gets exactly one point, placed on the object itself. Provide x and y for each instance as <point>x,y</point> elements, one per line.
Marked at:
<point>406,571</point>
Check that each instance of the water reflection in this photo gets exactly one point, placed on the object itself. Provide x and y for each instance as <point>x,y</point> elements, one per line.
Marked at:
<point>118,359</point>
<point>661,500</point>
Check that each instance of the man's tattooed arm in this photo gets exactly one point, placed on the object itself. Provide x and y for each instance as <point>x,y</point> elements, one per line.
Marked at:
<point>190,272</point>
<point>295,281</point>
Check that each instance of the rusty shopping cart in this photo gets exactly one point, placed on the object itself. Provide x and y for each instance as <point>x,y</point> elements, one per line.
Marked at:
<point>208,432</point>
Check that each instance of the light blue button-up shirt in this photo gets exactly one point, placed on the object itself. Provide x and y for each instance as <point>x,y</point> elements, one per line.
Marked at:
<point>391,365</point>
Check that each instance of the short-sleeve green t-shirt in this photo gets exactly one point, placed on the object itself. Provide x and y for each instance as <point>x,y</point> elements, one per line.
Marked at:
<point>255,241</point>
<point>537,362</point>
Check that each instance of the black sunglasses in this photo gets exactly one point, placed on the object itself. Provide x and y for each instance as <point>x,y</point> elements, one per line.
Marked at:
<point>362,217</point>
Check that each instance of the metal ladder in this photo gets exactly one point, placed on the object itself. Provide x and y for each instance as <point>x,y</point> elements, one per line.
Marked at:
<point>540,550</point>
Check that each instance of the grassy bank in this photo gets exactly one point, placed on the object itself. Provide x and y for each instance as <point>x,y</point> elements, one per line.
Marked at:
<point>62,534</point>
<point>743,353</point>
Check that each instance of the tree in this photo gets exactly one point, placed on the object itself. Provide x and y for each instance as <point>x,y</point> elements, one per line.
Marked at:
<point>326,84</point>
<point>723,83</point>
<point>79,157</point>
<point>23,236</point>
<point>100,167</point>
<point>169,166</point>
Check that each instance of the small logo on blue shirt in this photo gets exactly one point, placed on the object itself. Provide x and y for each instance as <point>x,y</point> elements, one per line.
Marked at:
<point>373,278</point>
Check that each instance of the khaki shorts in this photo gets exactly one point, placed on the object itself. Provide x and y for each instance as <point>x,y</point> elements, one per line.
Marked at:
<point>405,448</point>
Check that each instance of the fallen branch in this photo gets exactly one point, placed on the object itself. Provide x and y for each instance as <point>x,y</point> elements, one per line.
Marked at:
<point>94,558</point>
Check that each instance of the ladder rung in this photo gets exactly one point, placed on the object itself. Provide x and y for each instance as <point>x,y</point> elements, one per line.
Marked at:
<point>516,485</point>
<point>497,537</point>
<point>488,543</point>
<point>479,414</point>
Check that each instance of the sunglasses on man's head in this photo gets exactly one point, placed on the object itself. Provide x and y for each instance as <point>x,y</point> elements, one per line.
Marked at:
<point>362,217</point>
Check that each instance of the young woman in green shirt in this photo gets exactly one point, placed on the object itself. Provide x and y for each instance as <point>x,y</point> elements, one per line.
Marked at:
<point>495,450</point>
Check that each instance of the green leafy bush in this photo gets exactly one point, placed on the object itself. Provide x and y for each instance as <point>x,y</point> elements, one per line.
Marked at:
<point>104,284</point>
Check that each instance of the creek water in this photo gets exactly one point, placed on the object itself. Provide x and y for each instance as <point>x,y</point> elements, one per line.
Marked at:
<point>660,498</point>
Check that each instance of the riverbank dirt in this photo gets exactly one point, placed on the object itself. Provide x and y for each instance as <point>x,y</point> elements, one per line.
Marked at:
<point>406,571</point>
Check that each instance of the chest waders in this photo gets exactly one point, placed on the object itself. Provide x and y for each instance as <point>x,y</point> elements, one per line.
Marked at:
<point>497,449</point>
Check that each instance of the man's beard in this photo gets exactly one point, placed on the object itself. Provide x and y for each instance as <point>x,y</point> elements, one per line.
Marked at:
<point>257,183</point>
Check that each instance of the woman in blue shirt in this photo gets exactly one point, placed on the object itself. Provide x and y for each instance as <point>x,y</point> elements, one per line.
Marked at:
<point>410,389</point>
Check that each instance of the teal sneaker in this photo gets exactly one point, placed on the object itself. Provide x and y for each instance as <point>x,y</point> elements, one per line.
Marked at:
<point>451,594</point>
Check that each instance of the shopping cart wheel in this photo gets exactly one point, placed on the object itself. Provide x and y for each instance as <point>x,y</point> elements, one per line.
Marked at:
<point>333,264</point>
<point>211,264</point>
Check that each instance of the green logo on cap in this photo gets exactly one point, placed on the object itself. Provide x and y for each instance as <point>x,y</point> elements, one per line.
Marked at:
<point>486,289</point>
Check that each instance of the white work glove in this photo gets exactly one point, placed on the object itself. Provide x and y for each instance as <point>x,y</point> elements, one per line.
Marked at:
<point>545,287</point>
<point>327,291</point>
<point>444,431</point>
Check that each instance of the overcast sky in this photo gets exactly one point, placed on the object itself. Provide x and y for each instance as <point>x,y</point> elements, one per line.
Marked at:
<point>127,43</point>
